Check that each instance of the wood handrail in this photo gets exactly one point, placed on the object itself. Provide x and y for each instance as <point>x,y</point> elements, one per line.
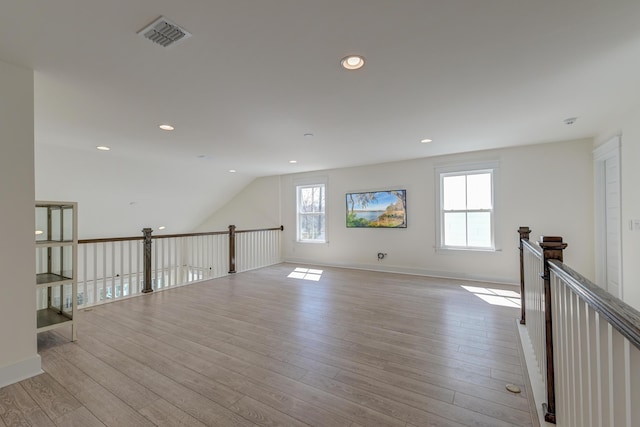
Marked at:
<point>109,239</point>
<point>207,233</point>
<point>167,236</point>
<point>624,318</point>
<point>281,228</point>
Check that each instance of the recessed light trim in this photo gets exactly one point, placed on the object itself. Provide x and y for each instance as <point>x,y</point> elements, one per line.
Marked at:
<point>232,171</point>
<point>166,127</point>
<point>352,62</point>
<point>293,161</point>
<point>426,141</point>
<point>103,148</point>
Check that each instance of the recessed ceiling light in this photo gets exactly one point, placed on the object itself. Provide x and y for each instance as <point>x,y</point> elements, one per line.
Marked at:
<point>166,127</point>
<point>352,62</point>
<point>232,171</point>
<point>293,161</point>
<point>162,227</point>
<point>426,140</point>
<point>308,135</point>
<point>103,148</point>
<point>39,232</point>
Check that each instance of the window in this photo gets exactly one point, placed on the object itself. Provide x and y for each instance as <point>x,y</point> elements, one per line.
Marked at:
<point>311,213</point>
<point>466,201</point>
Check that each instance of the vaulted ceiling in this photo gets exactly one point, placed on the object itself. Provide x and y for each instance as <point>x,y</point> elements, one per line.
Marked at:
<point>256,76</point>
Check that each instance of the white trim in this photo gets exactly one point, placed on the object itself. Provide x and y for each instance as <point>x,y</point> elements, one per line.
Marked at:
<point>413,271</point>
<point>492,167</point>
<point>311,182</point>
<point>607,151</point>
<point>468,166</point>
<point>20,371</point>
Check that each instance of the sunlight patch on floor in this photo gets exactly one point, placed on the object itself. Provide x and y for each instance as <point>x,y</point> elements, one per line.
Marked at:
<point>503,297</point>
<point>306,274</point>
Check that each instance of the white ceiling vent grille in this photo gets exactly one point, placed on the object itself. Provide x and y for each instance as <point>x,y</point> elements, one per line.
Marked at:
<point>164,32</point>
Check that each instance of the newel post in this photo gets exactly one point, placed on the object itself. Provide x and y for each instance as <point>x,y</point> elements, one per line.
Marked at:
<point>552,248</point>
<point>147,260</point>
<point>524,234</point>
<point>232,249</point>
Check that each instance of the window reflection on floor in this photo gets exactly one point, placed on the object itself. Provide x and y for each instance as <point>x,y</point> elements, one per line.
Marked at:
<point>503,297</point>
<point>306,274</point>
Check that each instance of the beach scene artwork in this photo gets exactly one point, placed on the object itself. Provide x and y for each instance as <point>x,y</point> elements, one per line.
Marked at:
<point>377,209</point>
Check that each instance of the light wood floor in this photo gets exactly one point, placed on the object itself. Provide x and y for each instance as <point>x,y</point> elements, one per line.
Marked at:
<point>354,349</point>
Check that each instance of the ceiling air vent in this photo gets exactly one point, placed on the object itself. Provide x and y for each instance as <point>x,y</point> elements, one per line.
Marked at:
<point>164,32</point>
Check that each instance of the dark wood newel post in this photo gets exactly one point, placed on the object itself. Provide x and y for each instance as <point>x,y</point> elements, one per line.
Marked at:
<point>552,248</point>
<point>232,249</point>
<point>524,234</point>
<point>147,260</point>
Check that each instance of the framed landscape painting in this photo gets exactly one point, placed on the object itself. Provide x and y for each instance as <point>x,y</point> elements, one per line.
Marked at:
<point>377,209</point>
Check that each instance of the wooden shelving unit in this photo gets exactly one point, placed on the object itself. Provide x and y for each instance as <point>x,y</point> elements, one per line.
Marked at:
<point>56,265</point>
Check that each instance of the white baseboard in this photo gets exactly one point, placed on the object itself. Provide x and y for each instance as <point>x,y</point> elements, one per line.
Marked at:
<point>20,371</point>
<point>413,271</point>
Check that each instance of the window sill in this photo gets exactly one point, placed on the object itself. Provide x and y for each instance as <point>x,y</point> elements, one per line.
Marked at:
<point>467,250</point>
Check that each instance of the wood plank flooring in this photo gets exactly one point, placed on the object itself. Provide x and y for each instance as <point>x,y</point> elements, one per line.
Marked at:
<point>355,348</point>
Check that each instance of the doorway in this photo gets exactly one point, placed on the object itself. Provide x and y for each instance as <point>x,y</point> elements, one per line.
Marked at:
<point>607,220</point>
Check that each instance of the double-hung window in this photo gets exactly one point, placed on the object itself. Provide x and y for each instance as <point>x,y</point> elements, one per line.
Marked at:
<point>466,208</point>
<point>311,213</point>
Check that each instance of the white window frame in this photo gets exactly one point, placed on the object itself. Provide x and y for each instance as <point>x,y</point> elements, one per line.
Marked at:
<point>299,185</point>
<point>458,170</point>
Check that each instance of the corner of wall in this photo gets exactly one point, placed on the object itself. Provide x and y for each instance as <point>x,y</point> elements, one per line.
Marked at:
<point>20,371</point>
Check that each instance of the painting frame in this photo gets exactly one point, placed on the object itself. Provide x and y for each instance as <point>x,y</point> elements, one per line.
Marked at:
<point>376,209</point>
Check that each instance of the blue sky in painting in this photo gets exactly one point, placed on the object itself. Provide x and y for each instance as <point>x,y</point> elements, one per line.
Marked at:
<point>383,199</point>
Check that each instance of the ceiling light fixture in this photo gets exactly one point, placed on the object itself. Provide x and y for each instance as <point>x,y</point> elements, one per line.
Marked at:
<point>232,171</point>
<point>293,161</point>
<point>103,148</point>
<point>166,127</point>
<point>352,62</point>
<point>162,227</point>
<point>308,135</point>
<point>426,140</point>
<point>39,232</point>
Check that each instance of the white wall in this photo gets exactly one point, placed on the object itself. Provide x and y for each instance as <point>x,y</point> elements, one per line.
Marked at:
<point>18,357</point>
<point>629,129</point>
<point>546,187</point>
<point>256,206</point>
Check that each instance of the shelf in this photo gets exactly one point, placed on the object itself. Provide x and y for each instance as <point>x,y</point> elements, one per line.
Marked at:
<point>56,250</point>
<point>48,318</point>
<point>51,279</point>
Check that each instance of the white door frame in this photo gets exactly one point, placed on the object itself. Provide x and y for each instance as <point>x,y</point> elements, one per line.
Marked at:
<point>610,150</point>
